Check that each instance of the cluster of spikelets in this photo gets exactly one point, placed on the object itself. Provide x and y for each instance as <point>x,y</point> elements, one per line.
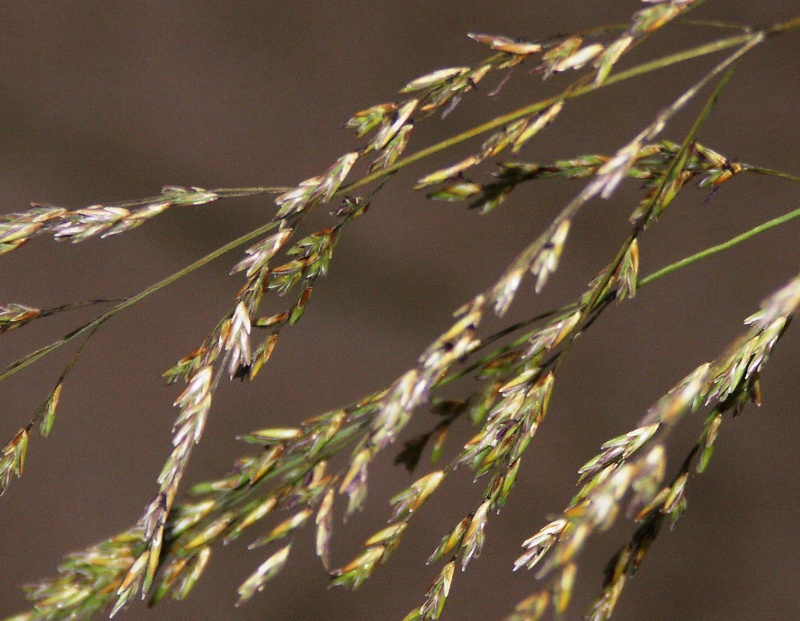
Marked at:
<point>166,552</point>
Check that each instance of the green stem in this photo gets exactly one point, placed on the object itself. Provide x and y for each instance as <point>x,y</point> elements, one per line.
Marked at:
<point>714,23</point>
<point>233,192</point>
<point>596,302</point>
<point>570,93</point>
<point>579,90</point>
<point>707,252</point>
<point>642,282</point>
<point>780,27</point>
<point>128,302</point>
<point>770,171</point>
<point>76,305</point>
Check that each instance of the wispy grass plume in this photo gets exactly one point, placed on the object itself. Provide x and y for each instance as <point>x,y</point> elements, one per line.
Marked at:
<point>288,483</point>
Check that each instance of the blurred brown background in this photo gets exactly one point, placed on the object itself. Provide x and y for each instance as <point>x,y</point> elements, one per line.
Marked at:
<point>108,101</point>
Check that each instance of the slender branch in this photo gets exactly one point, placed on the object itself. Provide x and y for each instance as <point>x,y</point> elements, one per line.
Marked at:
<point>570,93</point>
<point>642,282</point>
<point>128,302</point>
<point>707,252</point>
<point>714,23</point>
<point>596,300</point>
<point>578,91</point>
<point>233,192</point>
<point>75,305</point>
<point>780,27</point>
<point>771,172</point>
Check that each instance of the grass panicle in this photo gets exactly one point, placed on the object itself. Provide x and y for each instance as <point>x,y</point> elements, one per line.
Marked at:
<point>291,481</point>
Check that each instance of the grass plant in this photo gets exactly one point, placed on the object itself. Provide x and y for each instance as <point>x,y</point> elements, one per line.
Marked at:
<point>516,368</point>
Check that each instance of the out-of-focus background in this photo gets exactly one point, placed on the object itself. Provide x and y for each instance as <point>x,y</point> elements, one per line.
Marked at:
<point>108,101</point>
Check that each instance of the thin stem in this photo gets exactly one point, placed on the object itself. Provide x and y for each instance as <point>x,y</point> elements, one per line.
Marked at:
<point>220,192</point>
<point>601,296</point>
<point>596,300</point>
<point>233,192</point>
<point>570,93</point>
<point>128,302</point>
<point>781,27</point>
<point>714,23</point>
<point>48,312</point>
<point>75,305</point>
<point>771,172</point>
<point>659,63</point>
<point>578,91</point>
<point>642,282</point>
<point>61,378</point>
<point>707,252</point>
<point>77,355</point>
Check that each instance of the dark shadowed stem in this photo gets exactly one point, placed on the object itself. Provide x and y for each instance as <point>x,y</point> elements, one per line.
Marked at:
<point>75,305</point>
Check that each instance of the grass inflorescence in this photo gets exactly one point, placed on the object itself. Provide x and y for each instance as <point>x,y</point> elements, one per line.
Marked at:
<point>166,552</point>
